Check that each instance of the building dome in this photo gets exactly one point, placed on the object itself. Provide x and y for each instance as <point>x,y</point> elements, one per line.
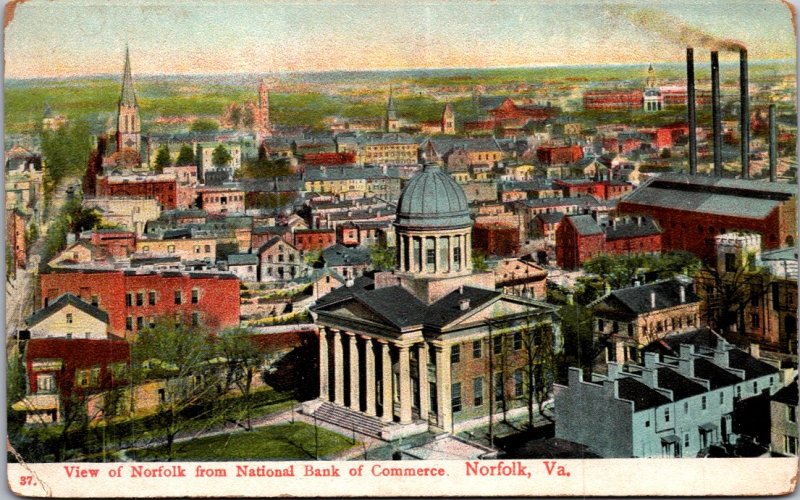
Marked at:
<point>432,199</point>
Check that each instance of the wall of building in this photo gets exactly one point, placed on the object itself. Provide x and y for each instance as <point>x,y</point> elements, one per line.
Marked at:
<point>69,321</point>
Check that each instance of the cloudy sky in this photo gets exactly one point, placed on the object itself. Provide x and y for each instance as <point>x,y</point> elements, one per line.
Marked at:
<point>77,37</point>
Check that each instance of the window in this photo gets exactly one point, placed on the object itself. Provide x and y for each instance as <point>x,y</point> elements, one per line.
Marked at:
<point>517,341</point>
<point>162,395</point>
<point>647,423</point>
<point>208,248</point>
<point>69,318</point>
<point>140,299</point>
<point>703,403</point>
<point>790,443</point>
<point>82,378</point>
<point>476,349</point>
<point>499,387</point>
<point>178,297</point>
<point>139,322</point>
<point>666,414</point>
<point>195,295</point>
<point>477,391</point>
<point>518,383</point>
<point>129,323</point>
<point>754,320</point>
<point>152,297</point>
<point>195,318</point>
<point>686,407</point>
<point>730,262</point>
<point>45,384</point>
<point>497,344</point>
<point>455,354</point>
<point>738,391</point>
<point>171,248</point>
<point>455,396</point>
<point>630,330</point>
<point>600,325</point>
<point>128,299</point>
<point>791,413</point>
<point>686,440</point>
<point>197,249</point>
<point>755,387</point>
<point>95,300</point>
<point>721,398</point>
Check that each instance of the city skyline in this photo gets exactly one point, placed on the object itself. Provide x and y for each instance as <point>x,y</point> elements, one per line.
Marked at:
<point>301,37</point>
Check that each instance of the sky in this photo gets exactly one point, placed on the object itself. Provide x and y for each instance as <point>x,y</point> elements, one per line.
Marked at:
<point>88,37</point>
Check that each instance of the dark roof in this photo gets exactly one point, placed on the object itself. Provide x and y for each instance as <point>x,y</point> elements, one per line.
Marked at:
<point>580,201</point>
<point>241,259</point>
<point>551,217</point>
<point>753,368</point>
<point>585,225</point>
<point>448,308</point>
<point>642,396</point>
<point>63,301</point>
<point>703,338</point>
<point>340,255</point>
<point>716,376</point>
<point>637,298</point>
<point>271,229</point>
<point>635,228</point>
<point>788,395</point>
<point>178,233</point>
<point>680,386</point>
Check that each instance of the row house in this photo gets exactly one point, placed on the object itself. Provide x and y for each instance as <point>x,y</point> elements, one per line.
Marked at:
<point>579,238</point>
<point>162,187</point>
<point>603,190</point>
<point>613,100</point>
<point>628,319</point>
<point>134,300</point>
<point>559,155</point>
<point>221,201</point>
<point>185,248</point>
<point>387,149</point>
<point>674,405</point>
<point>529,209</point>
<point>354,182</point>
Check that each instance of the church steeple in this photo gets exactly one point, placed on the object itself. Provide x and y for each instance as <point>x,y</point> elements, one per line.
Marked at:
<point>651,77</point>
<point>392,125</point>
<point>128,124</point>
<point>128,95</point>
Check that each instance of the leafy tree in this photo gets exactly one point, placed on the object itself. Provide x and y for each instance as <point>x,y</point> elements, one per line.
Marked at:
<point>236,116</point>
<point>580,347</point>
<point>264,168</point>
<point>204,125</point>
<point>179,355</point>
<point>311,257</point>
<point>163,159</point>
<point>383,257</point>
<point>479,261</point>
<point>220,156</point>
<point>243,362</point>
<point>65,152</point>
<point>541,362</point>
<point>185,156</point>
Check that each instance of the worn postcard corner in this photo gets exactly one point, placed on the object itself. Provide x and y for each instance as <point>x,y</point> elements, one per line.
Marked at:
<point>402,249</point>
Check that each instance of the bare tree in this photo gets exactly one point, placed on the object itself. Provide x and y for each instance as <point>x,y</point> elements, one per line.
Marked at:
<point>243,362</point>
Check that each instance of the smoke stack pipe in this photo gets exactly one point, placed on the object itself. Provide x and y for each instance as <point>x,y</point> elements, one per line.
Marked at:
<point>744,113</point>
<point>690,99</point>
<point>716,113</point>
<point>773,145</point>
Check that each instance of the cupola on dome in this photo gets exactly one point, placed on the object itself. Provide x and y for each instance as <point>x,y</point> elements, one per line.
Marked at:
<point>432,199</point>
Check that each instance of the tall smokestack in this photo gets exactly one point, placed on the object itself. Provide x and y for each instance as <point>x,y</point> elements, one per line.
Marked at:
<point>690,99</point>
<point>773,145</point>
<point>744,113</point>
<point>716,114</point>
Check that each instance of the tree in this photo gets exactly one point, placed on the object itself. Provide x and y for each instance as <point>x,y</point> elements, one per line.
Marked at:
<point>727,294</point>
<point>204,125</point>
<point>220,156</point>
<point>185,156</point>
<point>243,362</point>
<point>541,361</point>
<point>264,168</point>
<point>65,152</point>
<point>479,261</point>
<point>179,356</point>
<point>383,257</point>
<point>163,159</point>
<point>580,347</point>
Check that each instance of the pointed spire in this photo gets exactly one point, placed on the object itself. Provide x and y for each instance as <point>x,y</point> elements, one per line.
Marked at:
<point>128,95</point>
<point>390,106</point>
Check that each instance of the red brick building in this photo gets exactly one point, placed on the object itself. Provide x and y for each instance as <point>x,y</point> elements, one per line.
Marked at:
<point>693,210</point>
<point>221,201</point>
<point>61,370</point>
<point>559,155</point>
<point>345,158</point>
<point>15,236</point>
<point>579,238</point>
<point>496,239</point>
<point>134,300</point>
<point>162,187</point>
<point>613,100</point>
<point>508,110</point>
<point>114,242</point>
<point>262,234</point>
<point>602,190</point>
<point>314,239</point>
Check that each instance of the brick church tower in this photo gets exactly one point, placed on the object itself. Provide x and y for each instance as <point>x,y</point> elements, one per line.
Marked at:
<point>261,121</point>
<point>129,126</point>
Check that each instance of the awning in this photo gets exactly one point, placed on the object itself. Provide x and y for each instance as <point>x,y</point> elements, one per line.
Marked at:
<point>672,438</point>
<point>708,427</point>
<point>36,403</point>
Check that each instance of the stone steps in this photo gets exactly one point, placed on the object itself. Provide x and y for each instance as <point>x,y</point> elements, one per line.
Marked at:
<point>350,419</point>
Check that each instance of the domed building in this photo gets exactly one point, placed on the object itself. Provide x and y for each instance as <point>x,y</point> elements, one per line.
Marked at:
<point>421,346</point>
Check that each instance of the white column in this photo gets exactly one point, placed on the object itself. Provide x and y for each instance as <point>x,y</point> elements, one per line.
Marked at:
<point>323,364</point>
<point>412,256</point>
<point>338,367</point>
<point>405,384</point>
<point>424,398</point>
<point>386,382</point>
<point>354,379</point>
<point>450,251</point>
<point>401,245</point>
<point>443,398</point>
<point>436,254</point>
<point>369,368</point>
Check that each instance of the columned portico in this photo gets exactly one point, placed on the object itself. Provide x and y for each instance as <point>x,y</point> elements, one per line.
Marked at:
<point>323,364</point>
<point>355,401</point>
<point>424,398</point>
<point>443,399</point>
<point>386,382</point>
<point>404,380</point>
<point>369,375</point>
<point>338,367</point>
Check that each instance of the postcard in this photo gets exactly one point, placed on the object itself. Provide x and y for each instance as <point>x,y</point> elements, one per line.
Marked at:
<point>391,249</point>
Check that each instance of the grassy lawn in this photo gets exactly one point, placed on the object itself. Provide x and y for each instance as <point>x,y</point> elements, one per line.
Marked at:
<point>287,441</point>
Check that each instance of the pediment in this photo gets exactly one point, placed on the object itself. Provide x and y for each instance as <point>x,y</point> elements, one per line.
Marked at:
<point>503,306</point>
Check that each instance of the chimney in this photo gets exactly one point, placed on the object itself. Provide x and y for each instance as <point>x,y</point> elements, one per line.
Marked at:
<point>686,360</point>
<point>716,113</point>
<point>652,300</point>
<point>683,294</point>
<point>650,359</point>
<point>773,145</point>
<point>650,374</point>
<point>463,304</point>
<point>755,351</point>
<point>744,113</point>
<point>692,118</point>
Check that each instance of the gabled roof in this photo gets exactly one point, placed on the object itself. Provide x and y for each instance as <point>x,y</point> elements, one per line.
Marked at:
<point>717,377</point>
<point>272,242</point>
<point>637,299</point>
<point>340,255</point>
<point>635,228</point>
<point>642,396</point>
<point>681,387</point>
<point>753,368</point>
<point>585,225</point>
<point>551,217</point>
<point>242,259</point>
<point>63,301</point>
<point>788,395</point>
